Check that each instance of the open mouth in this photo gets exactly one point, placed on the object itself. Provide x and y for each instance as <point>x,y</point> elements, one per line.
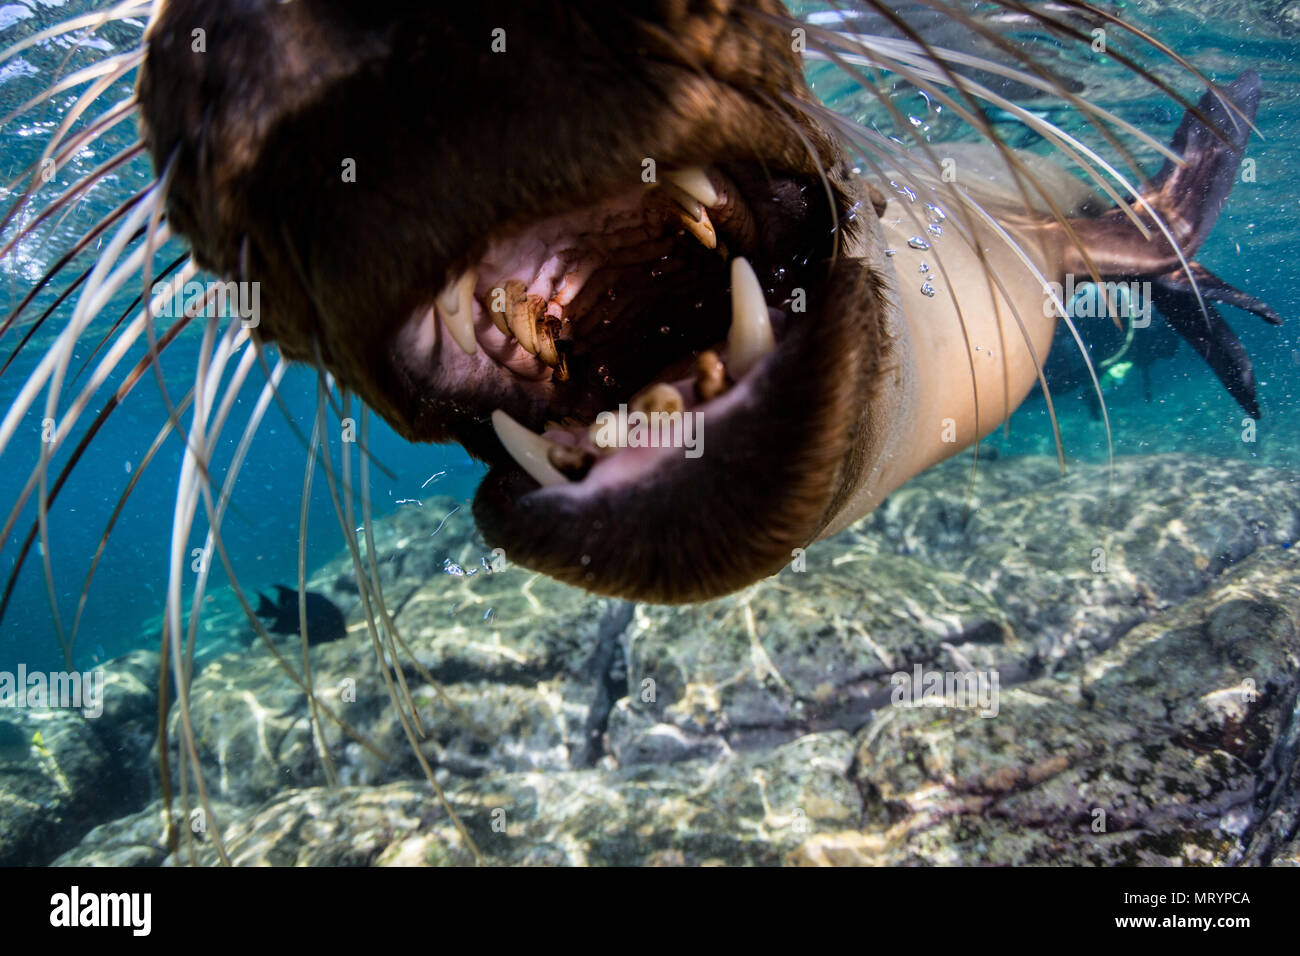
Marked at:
<point>665,299</point>
<point>492,267</point>
<point>601,359</point>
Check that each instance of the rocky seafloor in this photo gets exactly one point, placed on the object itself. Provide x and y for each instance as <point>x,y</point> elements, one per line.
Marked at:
<point>1143,626</point>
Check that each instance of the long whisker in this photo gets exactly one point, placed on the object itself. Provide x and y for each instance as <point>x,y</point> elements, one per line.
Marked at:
<point>73,192</point>
<point>317,731</point>
<point>358,569</point>
<point>58,267</point>
<point>113,66</point>
<point>112,330</point>
<point>1135,67</point>
<point>212,359</point>
<point>136,474</point>
<point>123,11</point>
<point>106,367</point>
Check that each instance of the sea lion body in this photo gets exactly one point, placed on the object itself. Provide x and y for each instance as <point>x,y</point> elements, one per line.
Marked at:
<point>962,365</point>
<point>509,288</point>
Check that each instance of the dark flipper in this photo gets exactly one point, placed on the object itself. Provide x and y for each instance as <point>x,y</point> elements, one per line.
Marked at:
<point>1214,289</point>
<point>1208,333</point>
<point>1192,195</point>
<point>1188,199</point>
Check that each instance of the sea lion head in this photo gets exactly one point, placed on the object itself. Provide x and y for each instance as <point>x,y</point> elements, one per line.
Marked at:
<point>573,183</point>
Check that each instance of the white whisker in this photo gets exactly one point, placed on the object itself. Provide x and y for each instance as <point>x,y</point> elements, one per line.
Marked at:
<point>123,11</point>
<point>114,66</point>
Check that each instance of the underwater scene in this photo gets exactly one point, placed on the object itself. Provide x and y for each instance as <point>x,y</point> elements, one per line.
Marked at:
<point>650,434</point>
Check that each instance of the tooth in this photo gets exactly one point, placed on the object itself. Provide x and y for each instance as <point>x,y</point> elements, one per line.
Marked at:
<point>695,183</point>
<point>458,296</point>
<point>513,290</point>
<point>701,229</point>
<point>660,397</point>
<point>456,309</point>
<point>710,376</point>
<point>461,327</point>
<point>750,338</point>
<point>692,208</point>
<point>529,450</point>
<point>523,314</point>
<point>546,351</point>
<point>570,460</point>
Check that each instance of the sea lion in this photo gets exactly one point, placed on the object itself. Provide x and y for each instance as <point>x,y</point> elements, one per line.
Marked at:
<point>497,223</point>
<point>471,182</point>
<point>488,219</point>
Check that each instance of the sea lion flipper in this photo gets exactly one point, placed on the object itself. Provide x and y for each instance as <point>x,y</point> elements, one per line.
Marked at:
<point>1214,289</point>
<point>1191,195</point>
<point>1187,196</point>
<point>1206,331</point>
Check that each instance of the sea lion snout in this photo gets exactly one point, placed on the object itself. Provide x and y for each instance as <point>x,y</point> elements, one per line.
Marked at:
<point>510,220</point>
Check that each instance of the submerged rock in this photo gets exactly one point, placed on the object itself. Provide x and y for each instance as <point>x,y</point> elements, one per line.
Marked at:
<point>62,771</point>
<point>1135,635</point>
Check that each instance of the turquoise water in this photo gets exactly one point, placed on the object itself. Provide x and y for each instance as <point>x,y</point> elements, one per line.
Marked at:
<point>1253,247</point>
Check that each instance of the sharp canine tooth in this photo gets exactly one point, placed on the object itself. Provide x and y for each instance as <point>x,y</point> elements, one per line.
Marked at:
<point>695,183</point>
<point>751,335</point>
<point>456,308</point>
<point>660,397</point>
<point>701,229</point>
<point>461,329</point>
<point>693,208</point>
<point>459,293</point>
<point>529,450</point>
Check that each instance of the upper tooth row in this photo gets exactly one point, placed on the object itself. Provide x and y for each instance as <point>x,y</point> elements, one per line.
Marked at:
<point>523,318</point>
<point>748,342</point>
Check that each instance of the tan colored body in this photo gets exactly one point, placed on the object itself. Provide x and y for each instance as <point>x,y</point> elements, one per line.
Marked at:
<point>963,362</point>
